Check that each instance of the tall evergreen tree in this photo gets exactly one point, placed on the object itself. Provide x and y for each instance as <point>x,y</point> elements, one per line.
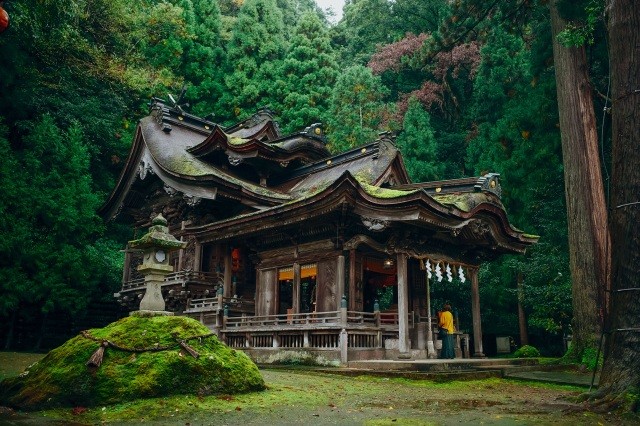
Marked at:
<point>589,244</point>
<point>47,243</point>
<point>255,54</point>
<point>204,58</point>
<point>357,108</point>
<point>365,24</point>
<point>620,378</point>
<point>309,72</point>
<point>418,145</point>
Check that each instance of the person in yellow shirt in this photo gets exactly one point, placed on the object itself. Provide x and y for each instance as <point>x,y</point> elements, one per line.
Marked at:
<point>445,325</point>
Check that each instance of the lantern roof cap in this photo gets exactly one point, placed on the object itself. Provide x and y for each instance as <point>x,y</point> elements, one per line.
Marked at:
<point>158,237</point>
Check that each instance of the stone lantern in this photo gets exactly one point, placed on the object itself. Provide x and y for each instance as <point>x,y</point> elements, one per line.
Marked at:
<point>156,246</point>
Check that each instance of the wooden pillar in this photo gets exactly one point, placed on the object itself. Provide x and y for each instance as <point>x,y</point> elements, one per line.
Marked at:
<point>352,280</point>
<point>475,314</point>
<point>403,304</point>
<point>126,270</point>
<point>296,288</point>
<point>340,277</point>
<point>266,292</point>
<point>431,350</point>
<point>227,272</point>
<point>181,252</point>
<point>197,257</point>
<point>258,298</point>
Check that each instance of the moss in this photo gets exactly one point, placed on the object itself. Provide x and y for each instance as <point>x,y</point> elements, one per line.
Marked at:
<point>464,202</point>
<point>376,191</point>
<point>185,166</point>
<point>234,140</point>
<point>530,236</point>
<point>61,378</point>
<point>188,167</point>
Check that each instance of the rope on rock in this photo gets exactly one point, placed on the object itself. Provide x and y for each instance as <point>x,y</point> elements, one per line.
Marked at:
<point>96,358</point>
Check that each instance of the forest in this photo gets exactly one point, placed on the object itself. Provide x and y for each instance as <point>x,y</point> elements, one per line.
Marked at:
<point>467,86</point>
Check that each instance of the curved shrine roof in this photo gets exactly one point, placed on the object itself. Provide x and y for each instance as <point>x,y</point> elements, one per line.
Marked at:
<point>203,159</point>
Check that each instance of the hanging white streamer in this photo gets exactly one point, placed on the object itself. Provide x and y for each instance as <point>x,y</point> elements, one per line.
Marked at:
<point>461,274</point>
<point>439,273</point>
<point>449,274</point>
<point>428,266</point>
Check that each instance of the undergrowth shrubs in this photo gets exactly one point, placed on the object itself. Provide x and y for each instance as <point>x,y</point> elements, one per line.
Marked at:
<point>526,351</point>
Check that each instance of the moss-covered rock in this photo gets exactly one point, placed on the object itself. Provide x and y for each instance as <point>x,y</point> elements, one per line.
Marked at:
<point>62,378</point>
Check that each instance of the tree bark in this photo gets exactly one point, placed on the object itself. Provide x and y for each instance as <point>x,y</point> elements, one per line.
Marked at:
<point>586,207</point>
<point>621,369</point>
<point>522,318</point>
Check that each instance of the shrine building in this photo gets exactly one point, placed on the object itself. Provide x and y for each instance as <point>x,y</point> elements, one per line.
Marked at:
<point>288,246</point>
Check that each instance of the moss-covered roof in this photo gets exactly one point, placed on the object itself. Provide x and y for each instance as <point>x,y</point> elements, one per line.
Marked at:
<point>466,201</point>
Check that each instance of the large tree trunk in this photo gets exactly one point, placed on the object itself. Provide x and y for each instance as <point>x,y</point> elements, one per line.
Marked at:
<point>522,317</point>
<point>584,191</point>
<point>621,369</point>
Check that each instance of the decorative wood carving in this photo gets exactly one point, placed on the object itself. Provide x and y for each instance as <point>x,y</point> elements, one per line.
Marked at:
<point>235,161</point>
<point>169,190</point>
<point>144,168</point>
<point>327,299</point>
<point>374,224</point>
<point>355,242</point>
<point>479,229</point>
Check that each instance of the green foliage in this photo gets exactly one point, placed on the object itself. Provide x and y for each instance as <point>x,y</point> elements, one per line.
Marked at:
<point>204,58</point>
<point>308,74</point>
<point>51,221</point>
<point>589,358</point>
<point>526,351</point>
<point>514,119</point>
<point>360,29</point>
<point>255,54</point>
<point>583,17</point>
<point>418,145</point>
<point>62,379</point>
<point>357,108</point>
<point>585,356</point>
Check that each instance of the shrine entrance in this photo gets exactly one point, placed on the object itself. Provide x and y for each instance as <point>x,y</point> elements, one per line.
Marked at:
<point>297,294</point>
<point>380,284</point>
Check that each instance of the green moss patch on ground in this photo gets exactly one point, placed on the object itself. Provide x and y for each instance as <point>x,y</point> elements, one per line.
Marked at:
<point>61,378</point>
<point>308,396</point>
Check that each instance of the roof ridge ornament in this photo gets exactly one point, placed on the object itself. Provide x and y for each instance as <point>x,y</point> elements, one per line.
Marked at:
<point>489,182</point>
<point>255,118</point>
<point>388,136</point>
<point>178,104</point>
<point>316,131</point>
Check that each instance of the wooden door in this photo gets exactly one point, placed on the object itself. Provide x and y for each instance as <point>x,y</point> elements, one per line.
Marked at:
<point>327,299</point>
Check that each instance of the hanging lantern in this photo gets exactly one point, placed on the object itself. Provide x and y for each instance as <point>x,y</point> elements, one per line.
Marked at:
<point>4,19</point>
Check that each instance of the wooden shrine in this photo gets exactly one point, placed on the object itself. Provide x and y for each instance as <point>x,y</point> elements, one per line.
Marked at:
<point>288,246</point>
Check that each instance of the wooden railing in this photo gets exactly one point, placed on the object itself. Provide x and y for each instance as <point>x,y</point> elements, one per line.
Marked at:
<point>315,318</point>
<point>211,304</point>
<point>179,277</point>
